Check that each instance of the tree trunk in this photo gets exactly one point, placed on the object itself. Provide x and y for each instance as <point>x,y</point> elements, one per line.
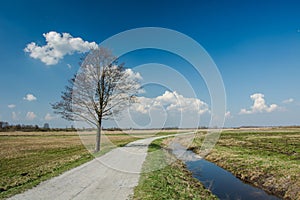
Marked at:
<point>98,138</point>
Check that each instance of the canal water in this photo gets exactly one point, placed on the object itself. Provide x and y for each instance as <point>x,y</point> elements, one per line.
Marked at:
<point>220,182</point>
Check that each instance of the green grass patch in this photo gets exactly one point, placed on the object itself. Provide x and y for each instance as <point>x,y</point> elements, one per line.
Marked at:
<point>171,181</point>
<point>166,133</point>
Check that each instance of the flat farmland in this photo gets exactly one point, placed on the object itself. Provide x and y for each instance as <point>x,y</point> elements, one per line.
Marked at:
<point>27,158</point>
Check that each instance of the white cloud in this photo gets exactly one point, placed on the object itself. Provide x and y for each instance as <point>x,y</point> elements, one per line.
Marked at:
<point>290,100</point>
<point>30,115</point>
<point>259,105</point>
<point>134,79</point>
<point>272,108</point>
<point>133,75</point>
<point>49,117</point>
<point>165,110</point>
<point>57,46</point>
<point>11,106</point>
<point>170,101</point>
<point>244,111</point>
<point>228,114</point>
<point>15,116</point>
<point>29,97</point>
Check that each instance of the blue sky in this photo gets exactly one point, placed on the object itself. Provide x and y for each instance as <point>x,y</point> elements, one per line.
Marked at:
<point>255,45</point>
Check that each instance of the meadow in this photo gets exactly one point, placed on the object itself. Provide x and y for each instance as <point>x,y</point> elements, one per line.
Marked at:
<point>267,158</point>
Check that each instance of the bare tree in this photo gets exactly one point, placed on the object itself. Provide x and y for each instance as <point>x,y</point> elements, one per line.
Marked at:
<point>102,88</point>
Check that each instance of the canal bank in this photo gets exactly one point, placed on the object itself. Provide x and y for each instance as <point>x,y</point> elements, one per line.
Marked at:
<point>220,182</point>
<point>268,158</point>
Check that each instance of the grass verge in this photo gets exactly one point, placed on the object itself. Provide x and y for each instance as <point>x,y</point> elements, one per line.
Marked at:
<point>269,159</point>
<point>170,182</point>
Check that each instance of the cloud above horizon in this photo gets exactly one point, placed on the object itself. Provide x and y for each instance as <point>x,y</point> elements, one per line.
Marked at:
<point>49,117</point>
<point>170,109</point>
<point>11,106</point>
<point>30,97</point>
<point>170,101</point>
<point>259,105</point>
<point>57,46</point>
<point>228,114</point>
<point>133,75</point>
<point>290,100</point>
<point>15,116</point>
<point>30,116</point>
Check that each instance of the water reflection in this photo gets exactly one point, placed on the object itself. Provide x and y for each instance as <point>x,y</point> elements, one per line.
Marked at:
<point>219,181</point>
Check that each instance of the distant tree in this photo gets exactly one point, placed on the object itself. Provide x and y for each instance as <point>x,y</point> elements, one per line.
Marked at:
<point>46,126</point>
<point>19,127</point>
<point>4,125</point>
<point>100,89</point>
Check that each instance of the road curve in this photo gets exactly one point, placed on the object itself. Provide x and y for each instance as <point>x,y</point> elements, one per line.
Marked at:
<point>111,176</point>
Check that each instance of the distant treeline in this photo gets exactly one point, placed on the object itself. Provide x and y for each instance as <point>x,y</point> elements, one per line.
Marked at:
<point>6,127</point>
<point>291,126</point>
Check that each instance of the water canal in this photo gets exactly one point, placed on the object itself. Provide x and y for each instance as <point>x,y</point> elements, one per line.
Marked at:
<point>220,182</point>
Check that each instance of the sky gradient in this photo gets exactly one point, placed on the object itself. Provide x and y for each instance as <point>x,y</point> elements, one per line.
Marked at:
<point>255,45</point>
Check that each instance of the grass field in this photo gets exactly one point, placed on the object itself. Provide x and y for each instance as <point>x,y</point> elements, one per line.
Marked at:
<point>172,181</point>
<point>27,158</point>
<point>267,158</point>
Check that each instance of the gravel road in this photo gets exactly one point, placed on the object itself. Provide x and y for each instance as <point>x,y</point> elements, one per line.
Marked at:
<point>111,176</point>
